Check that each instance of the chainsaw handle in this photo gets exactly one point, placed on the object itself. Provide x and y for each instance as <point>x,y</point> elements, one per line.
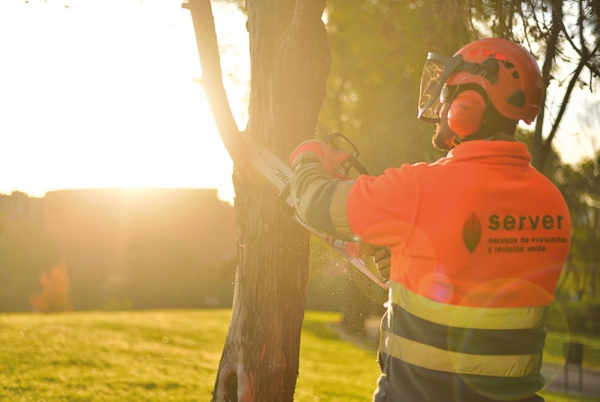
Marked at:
<point>356,164</point>
<point>352,161</point>
<point>330,137</point>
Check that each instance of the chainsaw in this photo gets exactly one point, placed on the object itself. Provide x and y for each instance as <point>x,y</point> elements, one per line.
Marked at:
<point>279,174</point>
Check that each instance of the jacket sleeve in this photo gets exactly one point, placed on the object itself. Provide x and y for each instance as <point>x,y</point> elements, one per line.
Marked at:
<point>382,210</point>
<point>377,210</point>
<point>321,200</point>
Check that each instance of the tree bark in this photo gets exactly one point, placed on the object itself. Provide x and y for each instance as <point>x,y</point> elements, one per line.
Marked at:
<point>289,65</point>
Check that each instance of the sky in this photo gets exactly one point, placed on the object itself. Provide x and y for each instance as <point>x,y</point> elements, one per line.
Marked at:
<point>101,94</point>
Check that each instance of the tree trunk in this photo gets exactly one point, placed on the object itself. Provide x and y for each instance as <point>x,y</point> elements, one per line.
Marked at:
<point>290,62</point>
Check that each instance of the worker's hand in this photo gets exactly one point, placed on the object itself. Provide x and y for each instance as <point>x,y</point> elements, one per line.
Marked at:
<point>319,151</point>
<point>382,256</point>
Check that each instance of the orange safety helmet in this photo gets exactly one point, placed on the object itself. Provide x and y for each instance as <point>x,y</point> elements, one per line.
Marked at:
<point>504,70</point>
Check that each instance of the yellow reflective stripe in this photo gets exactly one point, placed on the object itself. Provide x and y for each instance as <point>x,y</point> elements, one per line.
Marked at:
<point>337,211</point>
<point>433,358</point>
<point>466,317</point>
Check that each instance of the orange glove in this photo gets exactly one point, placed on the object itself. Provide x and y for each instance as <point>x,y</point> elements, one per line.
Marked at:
<point>320,151</point>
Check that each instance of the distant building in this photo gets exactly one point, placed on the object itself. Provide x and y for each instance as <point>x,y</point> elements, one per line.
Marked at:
<point>93,228</point>
<point>98,232</point>
<point>20,208</point>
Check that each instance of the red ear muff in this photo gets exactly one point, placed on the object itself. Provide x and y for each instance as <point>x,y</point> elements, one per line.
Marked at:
<point>466,112</point>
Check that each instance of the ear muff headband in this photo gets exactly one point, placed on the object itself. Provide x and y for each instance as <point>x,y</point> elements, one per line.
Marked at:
<point>466,113</point>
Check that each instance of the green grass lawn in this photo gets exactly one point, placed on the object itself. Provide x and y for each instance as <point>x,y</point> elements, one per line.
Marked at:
<point>167,356</point>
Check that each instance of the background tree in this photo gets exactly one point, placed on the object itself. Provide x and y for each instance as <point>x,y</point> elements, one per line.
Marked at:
<point>378,52</point>
<point>290,61</point>
<point>564,36</point>
<point>581,186</point>
<point>54,296</point>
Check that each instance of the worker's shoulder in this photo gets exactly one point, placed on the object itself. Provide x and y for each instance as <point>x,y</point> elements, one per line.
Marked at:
<point>442,163</point>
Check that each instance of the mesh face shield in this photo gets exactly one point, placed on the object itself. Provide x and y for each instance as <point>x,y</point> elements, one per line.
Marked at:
<point>436,71</point>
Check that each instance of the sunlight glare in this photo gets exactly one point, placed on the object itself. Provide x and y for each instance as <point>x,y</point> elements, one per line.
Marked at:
<point>100,94</point>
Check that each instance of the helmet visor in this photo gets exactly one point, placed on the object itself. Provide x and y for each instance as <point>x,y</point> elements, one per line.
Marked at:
<point>436,71</point>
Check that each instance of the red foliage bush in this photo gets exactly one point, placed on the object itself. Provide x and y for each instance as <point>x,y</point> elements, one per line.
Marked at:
<point>54,296</point>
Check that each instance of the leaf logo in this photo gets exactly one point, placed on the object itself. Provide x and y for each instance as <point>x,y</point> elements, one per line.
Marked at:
<point>472,232</point>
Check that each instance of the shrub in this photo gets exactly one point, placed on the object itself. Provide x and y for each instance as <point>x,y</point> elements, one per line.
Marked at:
<point>580,317</point>
<point>54,296</point>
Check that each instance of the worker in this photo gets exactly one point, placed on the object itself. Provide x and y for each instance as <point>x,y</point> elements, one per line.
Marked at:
<point>477,239</point>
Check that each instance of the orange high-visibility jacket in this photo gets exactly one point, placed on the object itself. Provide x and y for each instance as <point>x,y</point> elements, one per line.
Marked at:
<point>478,241</point>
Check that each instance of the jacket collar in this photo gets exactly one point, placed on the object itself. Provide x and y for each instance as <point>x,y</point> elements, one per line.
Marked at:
<point>501,152</point>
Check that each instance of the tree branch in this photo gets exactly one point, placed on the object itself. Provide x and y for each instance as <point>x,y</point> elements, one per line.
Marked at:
<point>551,48</point>
<point>580,20</point>
<point>526,28</point>
<point>581,52</point>
<point>535,19</point>
<point>567,96</point>
<point>212,78</point>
